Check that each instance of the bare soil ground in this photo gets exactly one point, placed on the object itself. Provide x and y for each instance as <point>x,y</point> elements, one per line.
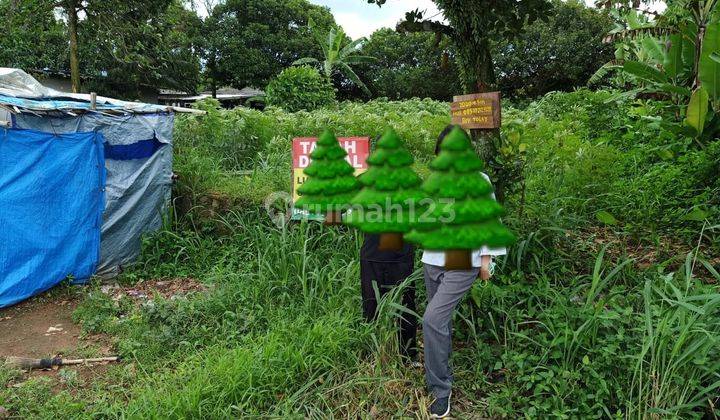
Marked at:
<point>43,326</point>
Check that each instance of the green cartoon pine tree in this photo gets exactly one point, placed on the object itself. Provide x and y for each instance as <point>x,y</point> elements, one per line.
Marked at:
<point>464,215</point>
<point>330,180</point>
<point>390,195</point>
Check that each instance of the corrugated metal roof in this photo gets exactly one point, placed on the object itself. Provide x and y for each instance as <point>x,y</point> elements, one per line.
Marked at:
<point>21,92</point>
<point>222,93</point>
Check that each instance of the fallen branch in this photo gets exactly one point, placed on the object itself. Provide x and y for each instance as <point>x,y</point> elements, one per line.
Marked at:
<point>30,363</point>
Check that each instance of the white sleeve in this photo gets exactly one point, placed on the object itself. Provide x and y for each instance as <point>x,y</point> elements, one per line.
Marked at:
<point>493,251</point>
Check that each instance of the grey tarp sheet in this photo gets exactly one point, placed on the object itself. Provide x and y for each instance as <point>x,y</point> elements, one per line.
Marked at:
<point>137,190</point>
<point>20,89</point>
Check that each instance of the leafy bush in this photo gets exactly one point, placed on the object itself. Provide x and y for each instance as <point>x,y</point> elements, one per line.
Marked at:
<point>565,330</point>
<point>577,153</point>
<point>279,334</point>
<point>300,88</point>
<point>588,152</point>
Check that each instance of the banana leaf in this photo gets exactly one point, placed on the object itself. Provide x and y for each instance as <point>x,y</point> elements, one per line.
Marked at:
<point>709,69</point>
<point>674,63</point>
<point>653,49</point>
<point>644,72</point>
<point>697,109</point>
<point>671,89</point>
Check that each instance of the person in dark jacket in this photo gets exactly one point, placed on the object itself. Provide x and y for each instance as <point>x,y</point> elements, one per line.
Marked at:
<point>383,270</point>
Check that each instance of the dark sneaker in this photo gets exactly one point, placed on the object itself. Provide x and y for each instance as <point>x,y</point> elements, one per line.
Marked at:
<point>440,408</point>
<point>415,365</point>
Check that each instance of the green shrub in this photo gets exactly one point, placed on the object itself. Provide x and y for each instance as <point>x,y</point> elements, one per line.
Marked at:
<point>244,154</point>
<point>279,333</point>
<point>227,137</point>
<point>300,88</point>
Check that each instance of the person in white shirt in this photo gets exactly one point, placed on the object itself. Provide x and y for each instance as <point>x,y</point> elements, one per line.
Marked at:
<point>445,288</point>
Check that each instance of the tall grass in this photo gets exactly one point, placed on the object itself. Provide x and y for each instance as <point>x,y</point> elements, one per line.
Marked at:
<point>280,334</point>
<point>677,369</point>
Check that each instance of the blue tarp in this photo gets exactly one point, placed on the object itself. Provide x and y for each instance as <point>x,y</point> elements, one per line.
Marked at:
<point>138,161</point>
<point>51,206</point>
<point>143,149</point>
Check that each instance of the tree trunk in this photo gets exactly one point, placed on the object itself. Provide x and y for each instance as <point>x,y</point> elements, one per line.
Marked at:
<point>333,218</point>
<point>478,75</point>
<point>71,10</point>
<point>698,50</point>
<point>213,75</point>
<point>458,259</point>
<point>390,242</point>
<point>699,37</point>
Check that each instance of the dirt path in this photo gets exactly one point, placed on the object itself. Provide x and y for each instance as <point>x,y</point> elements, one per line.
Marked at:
<point>43,327</point>
<point>39,327</point>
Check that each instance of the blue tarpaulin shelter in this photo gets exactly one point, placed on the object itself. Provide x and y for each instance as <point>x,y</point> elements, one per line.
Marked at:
<point>63,157</point>
<point>51,205</point>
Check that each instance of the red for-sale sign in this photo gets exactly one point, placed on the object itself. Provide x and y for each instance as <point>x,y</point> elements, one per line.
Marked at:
<point>357,149</point>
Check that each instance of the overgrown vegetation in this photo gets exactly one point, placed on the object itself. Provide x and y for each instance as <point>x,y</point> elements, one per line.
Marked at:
<point>606,307</point>
<point>300,88</point>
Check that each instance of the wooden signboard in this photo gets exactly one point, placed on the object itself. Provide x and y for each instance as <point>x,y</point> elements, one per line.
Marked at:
<point>476,110</point>
<point>357,148</point>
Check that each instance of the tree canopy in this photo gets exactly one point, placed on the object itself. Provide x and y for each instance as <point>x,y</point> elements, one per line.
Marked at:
<point>560,53</point>
<point>472,26</point>
<point>339,53</point>
<point>247,42</point>
<point>123,46</point>
<point>140,42</point>
<point>119,45</point>
<point>410,65</point>
<point>36,40</point>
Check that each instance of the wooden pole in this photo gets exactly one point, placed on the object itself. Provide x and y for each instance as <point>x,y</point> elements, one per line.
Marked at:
<point>93,101</point>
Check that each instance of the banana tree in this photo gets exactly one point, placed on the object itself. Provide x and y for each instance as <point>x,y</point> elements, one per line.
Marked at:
<point>649,56</point>
<point>676,56</point>
<point>340,54</point>
<point>703,110</point>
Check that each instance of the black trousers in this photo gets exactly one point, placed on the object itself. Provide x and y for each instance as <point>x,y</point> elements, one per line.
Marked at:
<point>387,275</point>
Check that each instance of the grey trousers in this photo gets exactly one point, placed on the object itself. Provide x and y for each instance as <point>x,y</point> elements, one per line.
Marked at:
<point>444,291</point>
